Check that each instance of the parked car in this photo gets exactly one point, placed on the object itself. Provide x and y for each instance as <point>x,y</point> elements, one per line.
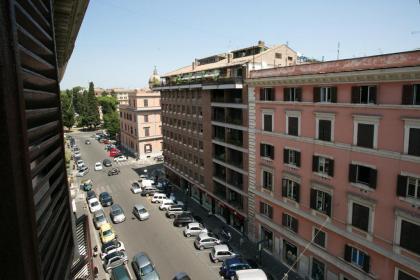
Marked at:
<point>117,214</point>
<point>87,185</point>
<point>98,166</point>
<point>135,188</point>
<point>158,197</point>
<point>140,212</point>
<point>77,154</point>
<point>82,172</point>
<point>181,276</point>
<point>113,171</point>
<point>105,199</point>
<point>106,233</point>
<point>183,219</point>
<point>120,273</point>
<point>149,191</point>
<point>87,142</point>
<point>221,252</point>
<point>114,152</point>
<point>230,266</point>
<point>194,229</point>
<point>166,203</point>
<point>89,195</point>
<point>79,164</point>
<point>94,205</point>
<point>99,219</point>
<point>120,158</point>
<point>250,274</point>
<point>111,246</point>
<point>144,183</point>
<point>114,259</point>
<point>143,267</point>
<point>107,162</point>
<point>206,240</point>
<point>174,211</point>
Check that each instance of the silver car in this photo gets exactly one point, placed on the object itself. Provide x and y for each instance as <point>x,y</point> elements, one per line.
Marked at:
<point>221,252</point>
<point>206,240</point>
<point>114,259</point>
<point>117,214</point>
<point>99,219</point>
<point>143,267</point>
<point>140,212</point>
<point>194,229</point>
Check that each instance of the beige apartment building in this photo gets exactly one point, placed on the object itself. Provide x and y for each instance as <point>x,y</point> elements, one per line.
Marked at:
<point>140,122</point>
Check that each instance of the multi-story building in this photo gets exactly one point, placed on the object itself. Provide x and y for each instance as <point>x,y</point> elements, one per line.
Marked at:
<point>141,125</point>
<point>205,119</point>
<point>334,166</point>
<point>36,42</point>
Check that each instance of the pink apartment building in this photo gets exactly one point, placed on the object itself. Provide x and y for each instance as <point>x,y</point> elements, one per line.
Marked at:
<point>141,125</point>
<point>334,166</point>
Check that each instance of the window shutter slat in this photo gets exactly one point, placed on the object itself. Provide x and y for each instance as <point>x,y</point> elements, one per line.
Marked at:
<point>331,170</point>
<point>299,94</point>
<point>298,193</point>
<point>408,95</point>
<point>272,152</point>
<point>366,263</point>
<point>373,178</point>
<point>297,158</point>
<point>262,94</point>
<point>261,208</point>
<point>284,219</point>
<point>352,173</point>
<point>262,150</point>
<point>355,95</point>
<point>317,94</point>
<point>334,95</point>
<point>295,225</point>
<point>315,160</point>
<point>402,186</point>
<point>285,156</point>
<point>328,204</point>
<point>347,253</point>
<point>313,199</point>
<point>285,94</point>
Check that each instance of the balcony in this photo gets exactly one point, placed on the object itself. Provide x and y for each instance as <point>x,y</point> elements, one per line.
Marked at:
<point>219,133</point>
<point>218,80</point>
<point>219,190</point>
<point>235,179</point>
<point>234,116</point>
<point>219,153</point>
<point>235,158</point>
<point>234,137</point>
<point>219,114</point>
<point>219,172</point>
<point>235,200</point>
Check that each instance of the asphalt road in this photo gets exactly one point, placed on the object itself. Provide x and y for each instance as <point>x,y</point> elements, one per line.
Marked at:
<point>166,245</point>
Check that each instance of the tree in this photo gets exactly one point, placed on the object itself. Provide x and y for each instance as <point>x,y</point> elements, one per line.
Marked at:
<point>89,115</point>
<point>67,109</point>
<point>104,93</point>
<point>77,99</point>
<point>112,123</point>
<point>113,93</point>
<point>108,104</point>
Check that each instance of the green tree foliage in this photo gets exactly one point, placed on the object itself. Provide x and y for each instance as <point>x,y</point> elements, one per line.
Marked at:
<point>108,104</point>
<point>78,99</point>
<point>67,109</point>
<point>104,93</point>
<point>113,94</point>
<point>112,123</point>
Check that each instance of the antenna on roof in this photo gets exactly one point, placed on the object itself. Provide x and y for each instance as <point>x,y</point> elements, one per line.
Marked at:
<point>338,50</point>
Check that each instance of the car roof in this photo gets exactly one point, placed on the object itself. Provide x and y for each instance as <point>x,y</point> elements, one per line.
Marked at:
<point>204,235</point>
<point>104,194</point>
<point>115,207</point>
<point>235,260</point>
<point>120,272</point>
<point>221,247</point>
<point>194,224</point>
<point>251,274</point>
<point>142,259</point>
<point>99,213</point>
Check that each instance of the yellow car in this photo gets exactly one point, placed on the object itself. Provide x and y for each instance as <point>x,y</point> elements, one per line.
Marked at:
<point>106,232</point>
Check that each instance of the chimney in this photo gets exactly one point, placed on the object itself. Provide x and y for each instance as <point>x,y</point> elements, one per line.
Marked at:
<point>261,43</point>
<point>229,57</point>
<point>194,64</point>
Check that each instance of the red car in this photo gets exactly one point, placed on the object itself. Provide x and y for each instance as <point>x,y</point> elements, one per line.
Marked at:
<point>114,152</point>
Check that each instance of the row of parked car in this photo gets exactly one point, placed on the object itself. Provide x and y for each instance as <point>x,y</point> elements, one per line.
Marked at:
<point>234,266</point>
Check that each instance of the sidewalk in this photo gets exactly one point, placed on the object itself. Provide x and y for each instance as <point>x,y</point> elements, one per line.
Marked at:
<point>247,249</point>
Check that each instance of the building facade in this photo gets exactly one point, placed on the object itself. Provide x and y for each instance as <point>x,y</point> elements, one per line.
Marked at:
<point>205,119</point>
<point>334,156</point>
<point>141,125</point>
<point>36,42</point>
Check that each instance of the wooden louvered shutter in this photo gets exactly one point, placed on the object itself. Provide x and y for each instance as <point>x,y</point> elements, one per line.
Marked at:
<point>402,186</point>
<point>334,95</point>
<point>347,253</point>
<point>285,156</point>
<point>299,94</point>
<point>407,95</point>
<point>317,94</point>
<point>355,95</point>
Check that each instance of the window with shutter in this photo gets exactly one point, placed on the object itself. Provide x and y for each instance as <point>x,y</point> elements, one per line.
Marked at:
<point>285,156</point>
<point>293,126</point>
<point>267,94</point>
<point>324,130</point>
<point>365,135</point>
<point>402,186</point>
<point>363,175</point>
<point>360,216</point>
<point>355,95</point>
<point>290,189</point>
<point>404,276</point>
<point>357,257</point>
<point>317,269</point>
<point>267,151</point>
<point>414,142</point>
<point>317,94</point>
<point>267,180</point>
<point>267,122</point>
<point>292,94</point>
<point>409,236</point>
<point>319,237</point>
<point>408,95</point>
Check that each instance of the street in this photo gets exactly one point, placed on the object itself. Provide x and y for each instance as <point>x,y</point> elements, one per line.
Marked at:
<point>170,251</point>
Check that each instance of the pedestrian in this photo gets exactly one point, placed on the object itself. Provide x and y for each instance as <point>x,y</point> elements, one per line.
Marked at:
<point>95,272</point>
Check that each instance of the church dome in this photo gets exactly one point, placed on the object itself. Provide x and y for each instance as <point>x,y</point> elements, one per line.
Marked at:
<point>154,80</point>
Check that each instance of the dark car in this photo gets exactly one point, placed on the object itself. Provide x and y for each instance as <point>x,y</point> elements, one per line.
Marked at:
<point>230,266</point>
<point>144,268</point>
<point>183,219</point>
<point>181,276</point>
<point>106,199</point>
<point>107,162</point>
<point>90,194</point>
<point>149,191</point>
<point>113,171</point>
<point>120,273</point>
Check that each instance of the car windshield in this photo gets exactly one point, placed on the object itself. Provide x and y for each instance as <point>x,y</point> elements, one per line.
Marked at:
<point>117,211</point>
<point>100,218</point>
<point>147,269</point>
<point>107,232</point>
<point>95,203</point>
<point>142,210</point>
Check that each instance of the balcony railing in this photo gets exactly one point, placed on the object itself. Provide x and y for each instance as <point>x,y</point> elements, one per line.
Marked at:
<point>222,80</point>
<point>204,81</point>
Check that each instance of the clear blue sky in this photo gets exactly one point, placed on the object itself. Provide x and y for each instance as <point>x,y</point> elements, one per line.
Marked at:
<point>120,41</point>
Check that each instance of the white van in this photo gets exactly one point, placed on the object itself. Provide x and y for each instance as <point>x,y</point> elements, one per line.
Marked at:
<point>146,183</point>
<point>250,274</point>
<point>158,197</point>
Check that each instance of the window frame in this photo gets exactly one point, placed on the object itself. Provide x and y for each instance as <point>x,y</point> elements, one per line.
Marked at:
<point>266,92</point>
<point>363,119</point>
<point>269,171</point>
<point>266,210</point>
<point>267,113</point>
<point>326,117</point>
<point>409,123</point>
<point>351,199</point>
<point>290,186</point>
<point>400,216</point>
<point>314,229</point>
<point>292,157</point>
<point>293,114</point>
<point>312,266</point>
<point>265,156</point>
